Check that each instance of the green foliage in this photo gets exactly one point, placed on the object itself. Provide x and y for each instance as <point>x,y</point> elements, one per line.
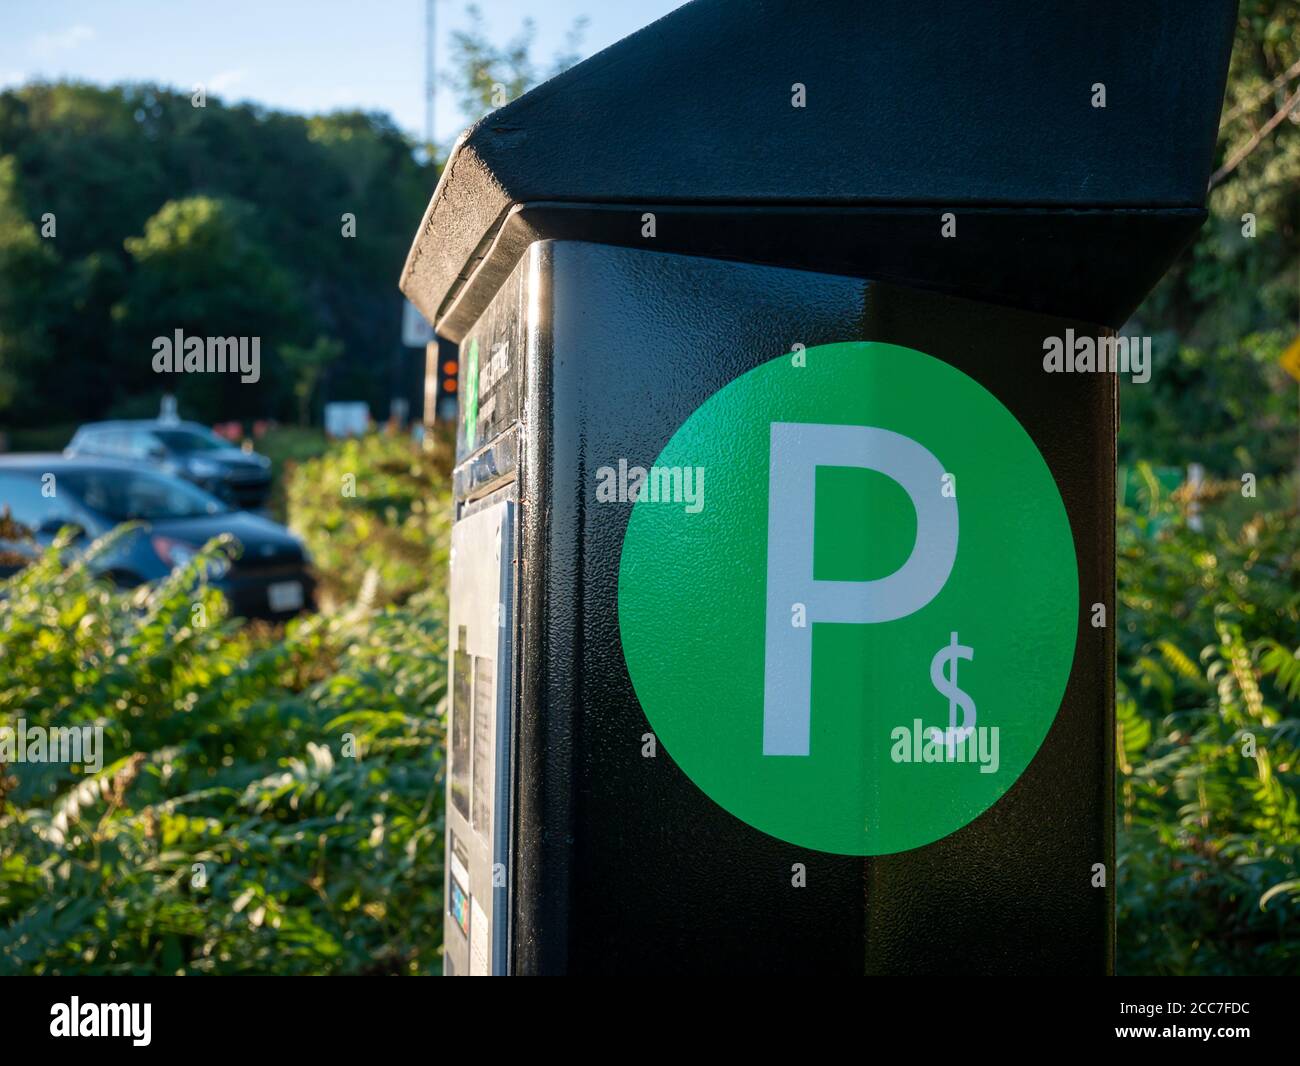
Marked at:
<point>200,268</point>
<point>226,745</point>
<point>26,269</point>
<point>307,363</point>
<point>1231,303</point>
<point>225,220</point>
<point>375,513</point>
<point>1208,745</point>
<point>286,447</point>
<point>1230,407</point>
<point>485,76</point>
<point>231,829</point>
<point>1209,836</point>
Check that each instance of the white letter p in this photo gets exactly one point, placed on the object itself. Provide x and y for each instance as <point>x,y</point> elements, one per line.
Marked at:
<point>797,449</point>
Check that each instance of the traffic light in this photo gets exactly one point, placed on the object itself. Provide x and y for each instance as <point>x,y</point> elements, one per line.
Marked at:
<point>441,380</point>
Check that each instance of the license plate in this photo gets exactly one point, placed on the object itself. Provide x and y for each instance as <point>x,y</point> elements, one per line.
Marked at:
<point>284,595</point>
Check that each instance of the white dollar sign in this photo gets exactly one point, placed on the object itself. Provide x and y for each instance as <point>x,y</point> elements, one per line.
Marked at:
<point>947,686</point>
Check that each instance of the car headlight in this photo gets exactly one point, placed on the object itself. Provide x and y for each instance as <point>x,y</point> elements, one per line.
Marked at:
<point>176,553</point>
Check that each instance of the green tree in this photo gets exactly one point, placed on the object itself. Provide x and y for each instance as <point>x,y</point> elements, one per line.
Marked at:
<point>106,161</point>
<point>1231,303</point>
<point>307,363</point>
<point>201,267</point>
<point>27,266</point>
<point>485,75</point>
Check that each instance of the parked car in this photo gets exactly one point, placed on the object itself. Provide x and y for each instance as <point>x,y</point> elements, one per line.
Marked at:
<point>185,449</point>
<point>270,579</point>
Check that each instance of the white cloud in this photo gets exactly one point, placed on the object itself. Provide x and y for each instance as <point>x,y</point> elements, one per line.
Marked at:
<point>48,45</point>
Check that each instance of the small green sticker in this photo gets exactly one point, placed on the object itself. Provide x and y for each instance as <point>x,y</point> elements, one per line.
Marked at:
<point>859,634</point>
<point>471,396</point>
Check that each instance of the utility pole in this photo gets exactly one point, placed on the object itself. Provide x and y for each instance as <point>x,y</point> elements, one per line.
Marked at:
<point>430,79</point>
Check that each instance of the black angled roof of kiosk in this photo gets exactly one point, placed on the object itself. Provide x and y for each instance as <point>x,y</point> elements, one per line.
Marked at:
<point>983,108</point>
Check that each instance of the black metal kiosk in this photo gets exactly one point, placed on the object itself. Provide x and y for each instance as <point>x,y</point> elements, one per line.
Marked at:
<point>782,580</point>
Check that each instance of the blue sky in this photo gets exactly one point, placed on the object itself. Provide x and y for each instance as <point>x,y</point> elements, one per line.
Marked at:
<point>299,55</point>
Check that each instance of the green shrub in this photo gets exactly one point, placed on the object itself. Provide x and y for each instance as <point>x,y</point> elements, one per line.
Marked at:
<point>1208,734</point>
<point>230,829</point>
<point>286,447</point>
<point>375,513</point>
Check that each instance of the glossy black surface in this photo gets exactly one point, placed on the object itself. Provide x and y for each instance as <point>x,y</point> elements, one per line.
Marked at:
<point>1066,214</point>
<point>966,106</point>
<point>620,863</point>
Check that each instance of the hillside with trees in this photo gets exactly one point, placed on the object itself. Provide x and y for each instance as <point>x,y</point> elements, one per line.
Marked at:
<point>127,213</point>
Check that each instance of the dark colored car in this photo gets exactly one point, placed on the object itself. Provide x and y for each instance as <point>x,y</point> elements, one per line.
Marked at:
<point>184,449</point>
<point>270,579</point>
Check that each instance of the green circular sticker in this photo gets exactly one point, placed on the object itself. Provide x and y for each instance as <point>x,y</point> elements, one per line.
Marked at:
<point>848,598</point>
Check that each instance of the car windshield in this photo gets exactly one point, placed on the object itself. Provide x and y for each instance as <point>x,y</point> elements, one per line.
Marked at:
<point>190,440</point>
<point>123,495</point>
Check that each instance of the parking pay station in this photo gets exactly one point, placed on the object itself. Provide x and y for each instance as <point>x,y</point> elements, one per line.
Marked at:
<point>782,580</point>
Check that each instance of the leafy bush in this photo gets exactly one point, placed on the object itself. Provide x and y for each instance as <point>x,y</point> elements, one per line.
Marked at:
<point>270,801</point>
<point>1208,735</point>
<point>231,830</point>
<point>375,512</point>
<point>286,447</point>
